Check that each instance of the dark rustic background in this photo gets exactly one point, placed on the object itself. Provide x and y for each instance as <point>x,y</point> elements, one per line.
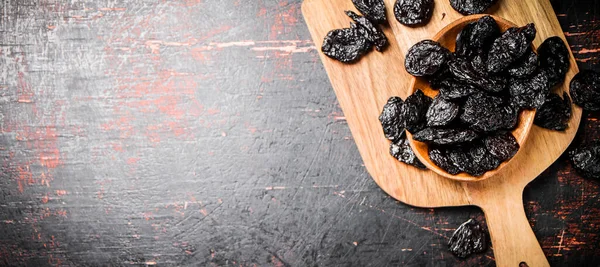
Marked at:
<point>205,132</point>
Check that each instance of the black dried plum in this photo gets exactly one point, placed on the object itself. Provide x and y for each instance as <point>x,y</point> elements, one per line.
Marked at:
<point>459,157</point>
<point>554,57</point>
<point>502,145</point>
<point>525,66</point>
<point>555,113</point>
<point>468,238</point>
<point>402,151</point>
<point>529,92</point>
<point>393,126</point>
<point>439,157</point>
<point>414,111</point>
<point>445,136</point>
<point>369,30</point>
<point>507,49</point>
<point>481,160</point>
<point>426,58</point>
<point>436,80</point>
<point>529,31</point>
<point>585,90</point>
<point>484,113</point>
<point>374,10</point>
<point>470,7</point>
<point>441,112</point>
<point>452,89</point>
<point>476,37</point>
<point>510,115</point>
<point>346,45</point>
<point>586,160</point>
<point>464,72</point>
<point>413,12</point>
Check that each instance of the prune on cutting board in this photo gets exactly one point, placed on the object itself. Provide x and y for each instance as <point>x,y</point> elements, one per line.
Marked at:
<point>414,111</point>
<point>554,57</point>
<point>485,113</point>
<point>507,49</point>
<point>426,58</point>
<point>402,151</point>
<point>393,126</point>
<point>476,37</point>
<point>346,45</point>
<point>452,89</point>
<point>525,66</point>
<point>440,136</point>
<point>470,7</point>
<point>585,90</point>
<point>413,12</point>
<point>464,72</point>
<point>586,160</point>
<point>481,160</point>
<point>374,10</point>
<point>502,145</point>
<point>530,31</point>
<point>468,238</point>
<point>555,113</point>
<point>530,92</point>
<point>441,112</point>
<point>439,156</point>
<point>369,30</point>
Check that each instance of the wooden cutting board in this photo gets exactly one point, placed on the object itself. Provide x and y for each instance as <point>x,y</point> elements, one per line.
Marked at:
<point>363,88</point>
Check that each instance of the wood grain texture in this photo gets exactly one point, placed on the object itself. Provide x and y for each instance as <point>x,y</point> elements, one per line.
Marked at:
<point>363,88</point>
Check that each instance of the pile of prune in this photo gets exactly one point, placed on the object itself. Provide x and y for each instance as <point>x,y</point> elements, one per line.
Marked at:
<point>467,239</point>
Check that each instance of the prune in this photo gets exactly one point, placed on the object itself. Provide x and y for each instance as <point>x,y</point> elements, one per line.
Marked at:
<point>468,238</point>
<point>555,113</point>
<point>554,57</point>
<point>503,145</point>
<point>426,58</point>
<point>508,48</point>
<point>585,90</point>
<point>370,31</point>
<point>484,113</point>
<point>402,151</point>
<point>586,160</point>
<point>374,10</point>
<point>510,114</point>
<point>476,36</point>
<point>436,80</point>
<point>530,92</point>
<point>445,136</point>
<point>413,12</point>
<point>393,126</point>
<point>452,89</point>
<point>346,45</point>
<point>441,112</point>
<point>529,31</point>
<point>414,111</point>
<point>480,160</point>
<point>439,156</point>
<point>464,72</point>
<point>525,66</point>
<point>470,7</point>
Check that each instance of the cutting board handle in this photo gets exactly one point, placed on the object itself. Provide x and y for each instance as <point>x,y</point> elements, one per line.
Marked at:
<point>512,237</point>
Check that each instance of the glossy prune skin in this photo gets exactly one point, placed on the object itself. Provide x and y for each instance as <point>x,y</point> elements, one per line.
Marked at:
<point>585,90</point>
<point>467,239</point>
<point>485,113</point>
<point>374,10</point>
<point>402,151</point>
<point>414,111</point>
<point>481,160</point>
<point>452,89</point>
<point>426,58</point>
<point>345,45</point>
<point>413,12</point>
<point>554,57</point>
<point>502,145</point>
<point>439,156</point>
<point>370,31</point>
<point>393,126</point>
<point>525,66</point>
<point>470,7</point>
<point>506,50</point>
<point>441,112</point>
<point>440,136</point>
<point>476,37</point>
<point>586,160</point>
<point>530,92</point>
<point>555,113</point>
<point>463,71</point>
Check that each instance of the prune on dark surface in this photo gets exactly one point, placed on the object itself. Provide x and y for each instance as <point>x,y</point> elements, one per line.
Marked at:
<point>586,160</point>
<point>439,156</point>
<point>485,113</point>
<point>393,126</point>
<point>414,111</point>
<point>374,10</point>
<point>530,92</point>
<point>464,72</point>
<point>470,7</point>
<point>555,113</point>
<point>554,57</point>
<point>370,31</point>
<point>413,12</point>
<point>402,151</point>
<point>441,112</point>
<point>426,58</point>
<point>525,66</point>
<point>481,160</point>
<point>476,36</point>
<point>468,238</point>
<point>585,90</point>
<point>440,136</point>
<point>346,45</point>
<point>507,49</point>
<point>452,89</point>
<point>503,145</point>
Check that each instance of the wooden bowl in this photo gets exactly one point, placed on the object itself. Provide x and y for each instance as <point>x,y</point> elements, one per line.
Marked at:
<point>447,37</point>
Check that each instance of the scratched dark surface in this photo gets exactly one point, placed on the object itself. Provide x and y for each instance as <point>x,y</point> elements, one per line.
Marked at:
<point>206,133</point>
